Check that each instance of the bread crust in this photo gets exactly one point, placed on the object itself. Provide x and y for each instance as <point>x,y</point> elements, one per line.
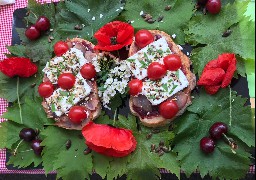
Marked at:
<point>156,121</point>
<point>63,121</point>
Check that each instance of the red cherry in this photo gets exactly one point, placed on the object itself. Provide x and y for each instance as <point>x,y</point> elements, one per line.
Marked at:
<point>88,71</point>
<point>207,145</point>
<point>32,33</point>
<point>172,62</point>
<point>66,80</point>
<point>168,109</point>
<point>77,114</point>
<point>135,87</point>
<point>218,129</point>
<point>213,6</point>
<point>156,71</point>
<point>60,48</point>
<point>45,89</point>
<point>43,23</point>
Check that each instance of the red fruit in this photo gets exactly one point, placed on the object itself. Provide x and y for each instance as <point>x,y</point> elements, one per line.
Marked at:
<point>143,38</point>
<point>60,48</point>
<point>218,129</point>
<point>213,6</point>
<point>88,71</point>
<point>156,71</point>
<point>35,145</point>
<point>211,77</point>
<point>32,33</point>
<point>135,87</point>
<point>212,89</point>
<point>168,109</point>
<point>45,89</point>
<point>172,62</point>
<point>43,23</point>
<point>66,80</point>
<point>207,145</point>
<point>77,114</point>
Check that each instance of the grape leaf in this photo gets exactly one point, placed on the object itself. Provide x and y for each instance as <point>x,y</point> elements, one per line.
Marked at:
<point>226,107</point>
<point>70,162</point>
<point>17,50</point>
<point>26,86</point>
<point>207,30</point>
<point>32,112</point>
<point>101,164</point>
<point>25,156</point>
<point>174,20</point>
<point>90,14</point>
<point>9,134</point>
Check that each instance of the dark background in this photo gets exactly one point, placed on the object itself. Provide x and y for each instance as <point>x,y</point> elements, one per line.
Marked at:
<point>240,85</point>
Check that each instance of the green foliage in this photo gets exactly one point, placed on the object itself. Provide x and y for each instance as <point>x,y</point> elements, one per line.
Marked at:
<point>207,30</point>
<point>194,125</point>
<point>174,21</point>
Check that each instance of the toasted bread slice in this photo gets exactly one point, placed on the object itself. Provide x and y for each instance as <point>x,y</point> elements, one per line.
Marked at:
<point>158,120</point>
<point>91,102</point>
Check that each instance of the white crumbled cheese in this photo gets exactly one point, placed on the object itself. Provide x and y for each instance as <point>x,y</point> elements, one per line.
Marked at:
<point>71,61</point>
<point>174,36</point>
<point>141,12</point>
<point>139,62</point>
<point>179,46</point>
<point>101,15</point>
<point>93,18</point>
<point>158,91</point>
<point>62,100</point>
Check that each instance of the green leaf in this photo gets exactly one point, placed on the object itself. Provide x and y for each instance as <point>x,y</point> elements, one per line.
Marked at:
<point>70,162</point>
<point>174,21</point>
<point>17,50</point>
<point>77,12</point>
<point>102,167</point>
<point>116,102</point>
<point>24,157</point>
<point>26,86</point>
<point>128,123</point>
<point>32,112</point>
<point>118,167</point>
<point>208,30</point>
<point>226,107</point>
<point>9,134</point>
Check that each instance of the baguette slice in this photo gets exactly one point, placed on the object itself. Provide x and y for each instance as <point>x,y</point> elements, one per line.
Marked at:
<point>93,104</point>
<point>185,95</point>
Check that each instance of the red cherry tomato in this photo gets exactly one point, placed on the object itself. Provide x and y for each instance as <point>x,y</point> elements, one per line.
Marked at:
<point>88,71</point>
<point>172,62</point>
<point>156,71</point>
<point>135,87</point>
<point>60,48</point>
<point>168,109</point>
<point>77,114</point>
<point>45,89</point>
<point>143,38</point>
<point>66,80</point>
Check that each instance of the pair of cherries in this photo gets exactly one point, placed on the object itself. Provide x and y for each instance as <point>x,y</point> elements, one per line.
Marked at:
<point>30,135</point>
<point>216,131</point>
<point>34,32</point>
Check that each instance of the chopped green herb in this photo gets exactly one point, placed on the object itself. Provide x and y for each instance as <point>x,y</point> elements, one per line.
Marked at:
<point>160,51</point>
<point>146,58</point>
<point>53,108</point>
<point>150,50</point>
<point>177,73</point>
<point>130,60</point>
<point>168,51</point>
<point>64,93</point>
<point>165,86</point>
<point>71,99</point>
<point>173,88</point>
<point>143,64</point>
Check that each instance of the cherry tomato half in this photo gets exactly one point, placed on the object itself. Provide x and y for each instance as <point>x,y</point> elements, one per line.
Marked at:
<point>77,114</point>
<point>45,89</point>
<point>143,38</point>
<point>172,62</point>
<point>168,109</point>
<point>60,48</point>
<point>88,71</point>
<point>66,80</point>
<point>135,87</point>
<point>156,71</point>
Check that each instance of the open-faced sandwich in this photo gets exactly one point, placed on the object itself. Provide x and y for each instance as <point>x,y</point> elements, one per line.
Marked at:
<point>162,81</point>
<point>69,86</point>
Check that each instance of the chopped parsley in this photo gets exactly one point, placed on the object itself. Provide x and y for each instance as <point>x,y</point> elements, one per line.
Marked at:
<point>64,93</point>
<point>165,86</point>
<point>53,109</point>
<point>173,88</point>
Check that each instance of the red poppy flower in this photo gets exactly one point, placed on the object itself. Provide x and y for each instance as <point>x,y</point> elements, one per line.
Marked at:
<point>18,66</point>
<point>218,73</point>
<point>110,141</point>
<point>114,35</point>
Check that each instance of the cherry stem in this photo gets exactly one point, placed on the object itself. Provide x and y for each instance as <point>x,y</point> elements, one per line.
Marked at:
<point>15,150</point>
<point>18,98</point>
<point>230,143</point>
<point>33,14</point>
